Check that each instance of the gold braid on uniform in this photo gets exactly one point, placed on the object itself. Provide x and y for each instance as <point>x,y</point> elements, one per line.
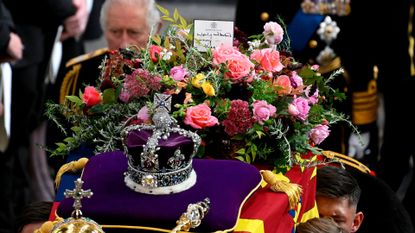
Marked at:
<point>69,83</point>
<point>333,65</point>
<point>344,159</point>
<point>365,103</point>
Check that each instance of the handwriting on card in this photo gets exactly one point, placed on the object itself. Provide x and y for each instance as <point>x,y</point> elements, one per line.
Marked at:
<point>210,34</point>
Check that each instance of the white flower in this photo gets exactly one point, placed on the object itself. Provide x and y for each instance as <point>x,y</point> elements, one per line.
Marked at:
<point>254,45</point>
<point>166,54</point>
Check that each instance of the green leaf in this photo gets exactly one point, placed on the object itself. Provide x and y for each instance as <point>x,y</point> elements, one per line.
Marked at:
<point>176,15</point>
<point>69,139</point>
<point>75,99</point>
<point>109,96</point>
<point>75,129</point>
<point>260,133</point>
<point>240,158</point>
<point>60,144</point>
<point>180,52</point>
<point>163,10</point>
<point>254,150</point>
<point>248,159</point>
<point>238,137</point>
<point>166,18</point>
<point>167,42</point>
<point>156,39</point>
<point>183,22</point>
<point>97,109</point>
<point>240,151</point>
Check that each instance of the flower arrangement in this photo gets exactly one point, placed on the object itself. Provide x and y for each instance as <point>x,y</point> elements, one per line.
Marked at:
<point>252,101</point>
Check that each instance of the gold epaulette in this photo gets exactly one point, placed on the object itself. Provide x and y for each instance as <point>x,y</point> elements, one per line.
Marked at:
<point>333,65</point>
<point>365,105</point>
<point>346,160</point>
<point>69,83</point>
<point>85,57</point>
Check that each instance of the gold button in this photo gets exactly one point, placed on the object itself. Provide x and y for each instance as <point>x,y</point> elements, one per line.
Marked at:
<point>264,16</point>
<point>312,44</point>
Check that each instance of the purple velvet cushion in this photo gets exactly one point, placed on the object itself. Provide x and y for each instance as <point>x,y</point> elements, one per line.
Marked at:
<point>226,182</point>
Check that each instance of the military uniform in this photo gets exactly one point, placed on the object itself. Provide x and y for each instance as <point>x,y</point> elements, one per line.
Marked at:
<point>82,71</point>
<point>397,76</point>
<point>309,44</point>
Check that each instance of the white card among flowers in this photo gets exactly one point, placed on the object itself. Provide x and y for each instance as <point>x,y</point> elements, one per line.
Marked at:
<point>211,34</point>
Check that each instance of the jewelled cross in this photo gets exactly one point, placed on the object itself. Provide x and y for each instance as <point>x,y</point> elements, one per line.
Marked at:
<point>161,118</point>
<point>77,194</point>
<point>162,101</point>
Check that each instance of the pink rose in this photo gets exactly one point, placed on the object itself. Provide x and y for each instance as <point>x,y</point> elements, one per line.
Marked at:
<point>296,80</point>
<point>284,82</point>
<point>239,67</point>
<point>223,53</point>
<point>155,53</point>
<point>200,117</point>
<point>299,108</point>
<point>314,98</point>
<point>319,133</point>
<point>263,111</point>
<point>178,73</point>
<point>143,115</point>
<point>315,67</point>
<point>91,96</point>
<point>268,59</point>
<point>273,33</point>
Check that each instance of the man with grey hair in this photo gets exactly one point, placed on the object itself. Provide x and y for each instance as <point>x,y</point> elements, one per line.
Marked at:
<point>129,22</point>
<point>125,23</point>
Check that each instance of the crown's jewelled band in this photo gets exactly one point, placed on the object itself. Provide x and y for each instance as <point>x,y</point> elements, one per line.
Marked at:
<point>159,179</point>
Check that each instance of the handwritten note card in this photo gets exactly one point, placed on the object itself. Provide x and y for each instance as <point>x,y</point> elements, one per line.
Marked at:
<point>211,34</point>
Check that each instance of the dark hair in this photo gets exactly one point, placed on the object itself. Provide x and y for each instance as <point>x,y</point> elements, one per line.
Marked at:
<point>32,213</point>
<point>319,225</point>
<point>335,182</point>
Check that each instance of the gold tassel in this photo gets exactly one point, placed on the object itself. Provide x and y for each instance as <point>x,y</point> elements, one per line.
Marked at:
<point>282,184</point>
<point>73,166</point>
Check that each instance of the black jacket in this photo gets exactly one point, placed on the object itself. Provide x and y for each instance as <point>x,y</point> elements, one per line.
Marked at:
<point>5,28</point>
<point>36,24</point>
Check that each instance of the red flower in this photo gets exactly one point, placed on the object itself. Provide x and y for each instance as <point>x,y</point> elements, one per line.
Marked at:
<point>155,53</point>
<point>91,96</point>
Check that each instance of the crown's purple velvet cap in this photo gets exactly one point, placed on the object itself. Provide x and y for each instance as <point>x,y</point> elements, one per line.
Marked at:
<point>225,182</point>
<point>136,139</point>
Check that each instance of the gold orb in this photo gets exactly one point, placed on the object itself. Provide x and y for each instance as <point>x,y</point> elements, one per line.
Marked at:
<point>82,225</point>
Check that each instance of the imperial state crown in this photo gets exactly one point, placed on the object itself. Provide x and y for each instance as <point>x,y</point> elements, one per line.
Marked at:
<point>160,155</point>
